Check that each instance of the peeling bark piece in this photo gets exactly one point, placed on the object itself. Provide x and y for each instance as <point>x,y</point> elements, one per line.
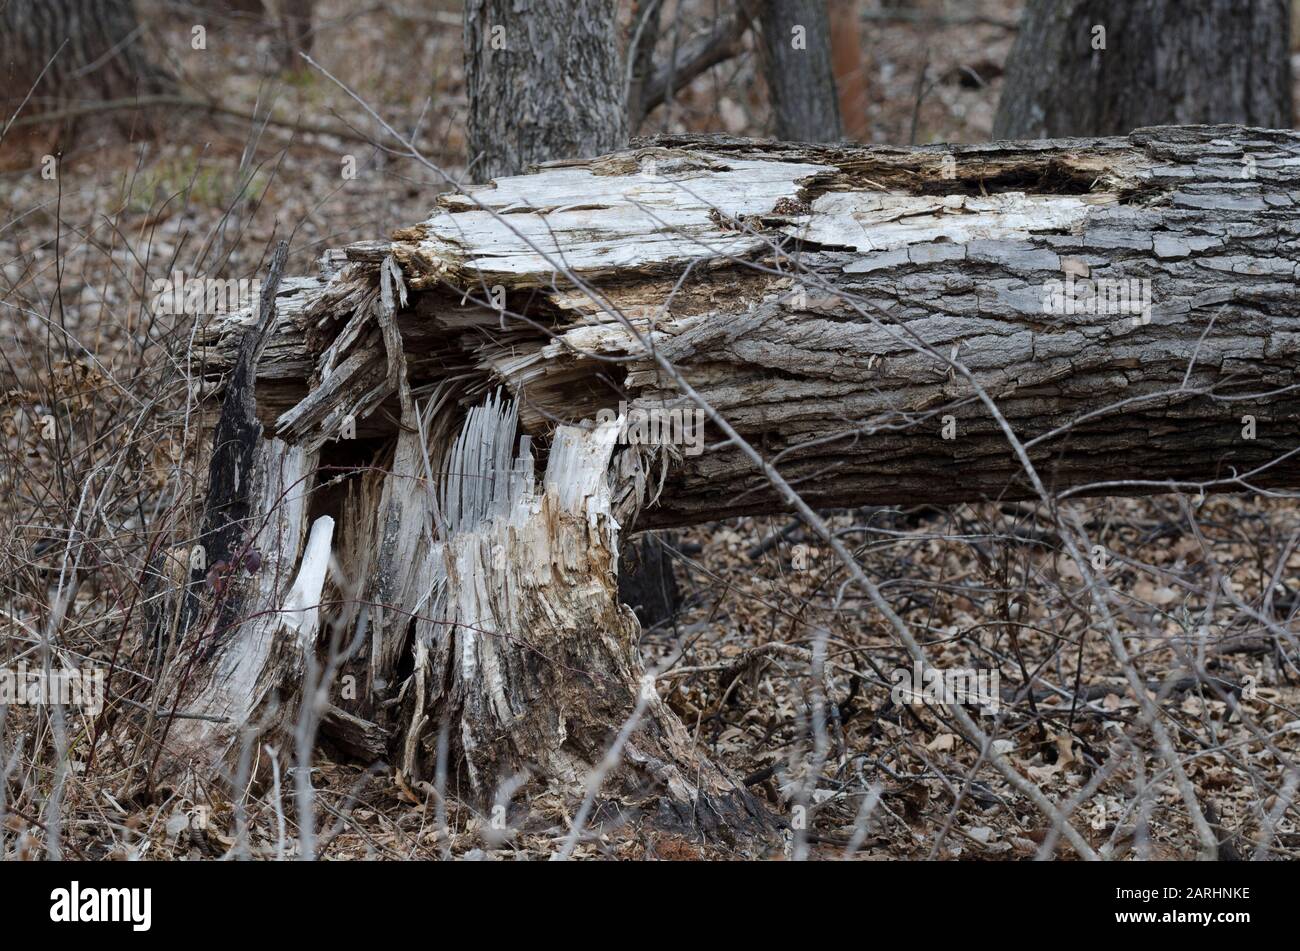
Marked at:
<point>354,736</point>
<point>235,443</point>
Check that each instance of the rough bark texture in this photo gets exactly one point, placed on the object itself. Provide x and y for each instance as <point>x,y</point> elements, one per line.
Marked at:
<point>1206,215</point>
<point>828,302</point>
<point>88,49</point>
<point>545,79</point>
<point>797,66</point>
<point>1164,62</point>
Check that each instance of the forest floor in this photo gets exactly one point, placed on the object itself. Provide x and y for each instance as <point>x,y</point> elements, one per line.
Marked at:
<point>987,584</point>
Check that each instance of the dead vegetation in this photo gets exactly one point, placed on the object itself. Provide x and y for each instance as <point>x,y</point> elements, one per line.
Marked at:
<point>779,668</point>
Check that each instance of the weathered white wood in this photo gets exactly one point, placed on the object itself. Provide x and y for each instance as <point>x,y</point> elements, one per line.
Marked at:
<point>541,657</point>
<point>228,681</point>
<point>301,609</point>
<point>647,210</point>
<point>883,221</point>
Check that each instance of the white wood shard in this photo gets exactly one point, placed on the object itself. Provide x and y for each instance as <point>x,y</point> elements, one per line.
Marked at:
<point>521,562</point>
<point>301,611</point>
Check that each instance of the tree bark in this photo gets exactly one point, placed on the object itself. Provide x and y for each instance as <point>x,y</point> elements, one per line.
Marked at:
<point>838,306</point>
<point>797,66</point>
<point>545,80</point>
<point>1163,62</point>
<point>62,50</point>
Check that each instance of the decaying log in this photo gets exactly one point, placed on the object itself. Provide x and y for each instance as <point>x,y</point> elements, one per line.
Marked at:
<point>838,306</point>
<point>836,385</point>
<point>225,680</point>
<point>532,652</point>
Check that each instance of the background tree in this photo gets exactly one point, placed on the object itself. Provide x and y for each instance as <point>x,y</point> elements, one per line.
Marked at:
<point>545,81</point>
<point>294,32</point>
<point>67,50</point>
<point>850,67</point>
<point>288,21</point>
<point>640,55</point>
<point>1106,67</point>
<point>800,81</point>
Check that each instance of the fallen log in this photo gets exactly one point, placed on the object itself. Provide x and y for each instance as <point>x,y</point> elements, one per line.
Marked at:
<point>828,289</point>
<point>1130,304</point>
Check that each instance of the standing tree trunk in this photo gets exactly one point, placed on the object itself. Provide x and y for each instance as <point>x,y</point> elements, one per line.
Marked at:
<point>545,81</point>
<point>850,68</point>
<point>88,50</point>
<point>295,32</point>
<point>796,38</point>
<point>640,52</point>
<point>504,640</point>
<point>1106,67</point>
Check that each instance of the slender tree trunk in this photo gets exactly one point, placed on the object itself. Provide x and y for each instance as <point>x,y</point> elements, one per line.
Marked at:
<point>641,46</point>
<point>800,79</point>
<point>1130,304</point>
<point>545,81</point>
<point>850,67</point>
<point>295,32</point>
<point>1106,67</point>
<point>724,41</point>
